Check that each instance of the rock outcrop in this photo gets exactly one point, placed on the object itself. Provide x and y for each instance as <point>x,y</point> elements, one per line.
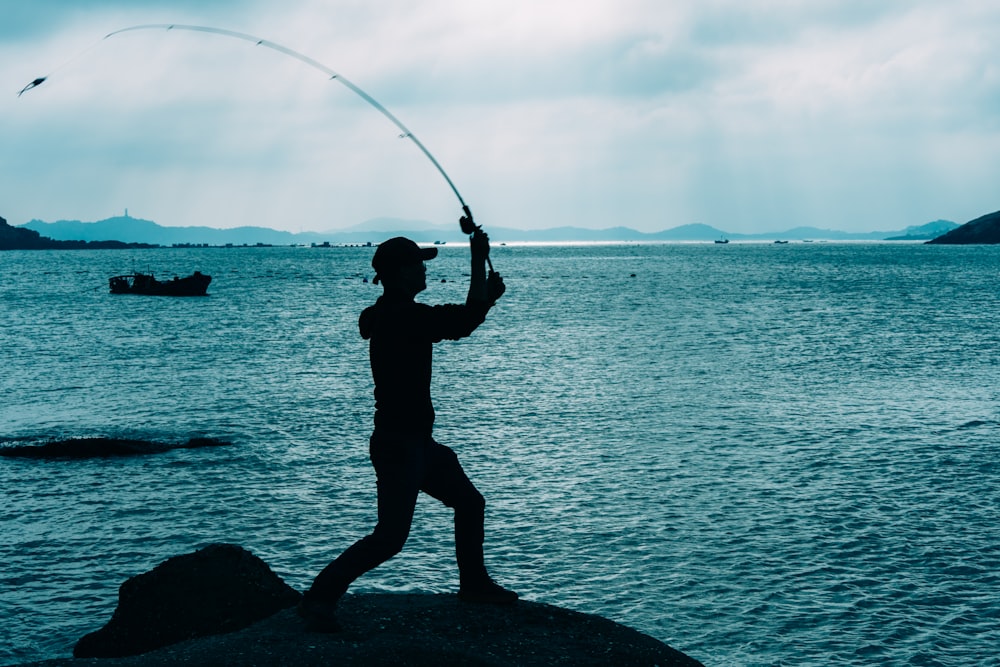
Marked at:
<point>218,589</point>
<point>983,230</point>
<point>223,606</point>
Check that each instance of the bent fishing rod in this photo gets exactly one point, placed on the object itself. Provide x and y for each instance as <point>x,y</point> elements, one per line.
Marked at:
<point>467,223</point>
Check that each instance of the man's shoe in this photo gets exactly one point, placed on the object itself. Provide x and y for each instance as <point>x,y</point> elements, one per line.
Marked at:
<point>486,592</point>
<point>319,615</point>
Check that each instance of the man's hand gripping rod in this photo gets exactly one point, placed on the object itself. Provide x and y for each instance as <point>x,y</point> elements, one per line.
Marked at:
<point>470,227</point>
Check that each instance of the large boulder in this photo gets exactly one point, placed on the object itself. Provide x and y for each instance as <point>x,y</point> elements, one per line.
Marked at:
<point>218,589</point>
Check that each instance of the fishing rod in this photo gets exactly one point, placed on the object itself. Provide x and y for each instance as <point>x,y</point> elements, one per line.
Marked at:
<point>466,223</point>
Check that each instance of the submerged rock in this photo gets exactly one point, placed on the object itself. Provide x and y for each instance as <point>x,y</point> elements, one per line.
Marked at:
<point>200,608</point>
<point>100,447</point>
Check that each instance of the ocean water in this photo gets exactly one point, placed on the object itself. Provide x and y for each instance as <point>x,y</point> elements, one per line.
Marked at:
<point>759,454</point>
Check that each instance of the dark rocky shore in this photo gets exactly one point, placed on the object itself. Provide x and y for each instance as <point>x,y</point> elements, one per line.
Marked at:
<point>223,606</point>
<point>19,238</point>
<point>982,230</point>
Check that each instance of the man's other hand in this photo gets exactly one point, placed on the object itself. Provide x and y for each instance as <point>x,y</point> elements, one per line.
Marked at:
<point>495,287</point>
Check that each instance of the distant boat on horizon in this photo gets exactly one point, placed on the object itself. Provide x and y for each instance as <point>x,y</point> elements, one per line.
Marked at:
<point>722,240</point>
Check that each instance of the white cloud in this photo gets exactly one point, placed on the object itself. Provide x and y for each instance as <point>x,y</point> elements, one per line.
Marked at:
<point>844,114</point>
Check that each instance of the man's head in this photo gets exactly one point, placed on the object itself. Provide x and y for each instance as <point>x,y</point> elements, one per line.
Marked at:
<point>399,262</point>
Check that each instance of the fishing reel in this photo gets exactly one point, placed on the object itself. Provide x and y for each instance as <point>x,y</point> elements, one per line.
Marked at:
<point>465,222</point>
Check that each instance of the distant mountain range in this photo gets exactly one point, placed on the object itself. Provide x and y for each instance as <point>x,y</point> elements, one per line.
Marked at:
<point>127,229</point>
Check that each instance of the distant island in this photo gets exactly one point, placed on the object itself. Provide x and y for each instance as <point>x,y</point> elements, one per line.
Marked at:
<point>129,232</point>
<point>20,238</point>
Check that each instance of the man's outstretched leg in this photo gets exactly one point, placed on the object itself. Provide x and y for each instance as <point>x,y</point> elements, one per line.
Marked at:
<point>398,479</point>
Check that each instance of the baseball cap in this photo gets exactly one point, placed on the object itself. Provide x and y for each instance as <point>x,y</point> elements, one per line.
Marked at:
<point>396,253</point>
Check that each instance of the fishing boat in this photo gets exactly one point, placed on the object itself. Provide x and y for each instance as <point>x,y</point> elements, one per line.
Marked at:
<point>145,283</point>
<point>722,240</point>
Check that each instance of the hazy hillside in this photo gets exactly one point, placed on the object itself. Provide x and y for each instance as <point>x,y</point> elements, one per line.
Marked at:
<point>926,232</point>
<point>136,230</point>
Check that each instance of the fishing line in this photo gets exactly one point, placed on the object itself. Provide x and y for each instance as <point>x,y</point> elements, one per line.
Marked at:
<point>42,79</point>
<point>468,228</point>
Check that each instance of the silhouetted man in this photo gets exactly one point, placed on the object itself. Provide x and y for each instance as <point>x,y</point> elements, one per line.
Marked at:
<point>407,459</point>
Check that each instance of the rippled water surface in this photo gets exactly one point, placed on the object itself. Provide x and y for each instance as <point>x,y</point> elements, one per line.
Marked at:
<point>759,454</point>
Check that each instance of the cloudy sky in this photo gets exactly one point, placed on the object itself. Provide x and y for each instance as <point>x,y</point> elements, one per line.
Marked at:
<point>748,115</point>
